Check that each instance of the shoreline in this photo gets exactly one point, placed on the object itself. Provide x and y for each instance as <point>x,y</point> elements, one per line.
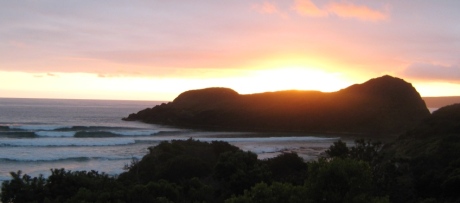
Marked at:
<point>270,144</point>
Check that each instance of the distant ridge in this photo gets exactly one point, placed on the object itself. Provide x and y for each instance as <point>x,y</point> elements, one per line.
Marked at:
<point>384,105</point>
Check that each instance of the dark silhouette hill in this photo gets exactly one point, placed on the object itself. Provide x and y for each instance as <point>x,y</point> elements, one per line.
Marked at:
<point>382,105</point>
<point>442,125</point>
<point>429,155</point>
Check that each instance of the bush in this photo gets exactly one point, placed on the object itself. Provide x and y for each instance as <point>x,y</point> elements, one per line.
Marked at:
<point>240,170</point>
<point>288,168</point>
<point>339,180</point>
<point>276,192</point>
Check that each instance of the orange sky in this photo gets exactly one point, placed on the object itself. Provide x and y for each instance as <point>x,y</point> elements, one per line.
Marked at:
<point>154,50</point>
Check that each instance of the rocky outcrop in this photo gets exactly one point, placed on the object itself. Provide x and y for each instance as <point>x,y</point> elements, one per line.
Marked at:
<point>381,106</point>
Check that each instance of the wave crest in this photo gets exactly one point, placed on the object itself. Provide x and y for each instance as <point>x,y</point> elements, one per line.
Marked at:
<point>50,142</point>
<point>77,159</point>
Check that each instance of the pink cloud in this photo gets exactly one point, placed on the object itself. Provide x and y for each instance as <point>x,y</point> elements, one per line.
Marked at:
<point>266,8</point>
<point>269,8</point>
<point>349,10</point>
<point>307,7</point>
<point>342,9</point>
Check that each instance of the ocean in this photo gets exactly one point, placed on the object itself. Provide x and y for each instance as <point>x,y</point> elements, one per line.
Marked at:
<point>37,135</point>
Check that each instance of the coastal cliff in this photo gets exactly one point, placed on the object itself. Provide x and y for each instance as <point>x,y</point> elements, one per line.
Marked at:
<point>384,105</point>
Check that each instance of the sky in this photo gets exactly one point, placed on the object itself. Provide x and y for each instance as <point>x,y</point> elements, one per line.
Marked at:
<point>156,49</point>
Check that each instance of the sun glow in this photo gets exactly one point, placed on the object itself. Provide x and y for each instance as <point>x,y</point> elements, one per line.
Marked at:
<point>292,78</point>
<point>437,89</point>
<point>91,86</point>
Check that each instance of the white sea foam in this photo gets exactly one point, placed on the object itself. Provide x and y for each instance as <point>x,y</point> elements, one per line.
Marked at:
<point>135,132</point>
<point>268,139</point>
<point>44,142</point>
<point>37,127</point>
<point>55,133</point>
<point>261,149</point>
<point>61,158</point>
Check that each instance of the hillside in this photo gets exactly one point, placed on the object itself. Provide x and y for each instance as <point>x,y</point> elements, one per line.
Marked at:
<point>380,106</point>
<point>438,133</point>
<point>430,154</point>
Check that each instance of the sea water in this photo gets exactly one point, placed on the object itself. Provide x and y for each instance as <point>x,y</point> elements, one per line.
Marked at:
<point>37,135</point>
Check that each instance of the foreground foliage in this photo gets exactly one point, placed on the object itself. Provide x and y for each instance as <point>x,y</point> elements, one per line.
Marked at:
<point>193,171</point>
<point>423,165</point>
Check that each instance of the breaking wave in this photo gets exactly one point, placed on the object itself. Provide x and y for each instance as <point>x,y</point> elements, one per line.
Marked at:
<point>77,159</point>
<point>72,131</point>
<point>50,142</point>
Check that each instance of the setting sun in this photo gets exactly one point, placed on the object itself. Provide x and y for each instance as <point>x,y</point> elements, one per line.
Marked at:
<point>294,78</point>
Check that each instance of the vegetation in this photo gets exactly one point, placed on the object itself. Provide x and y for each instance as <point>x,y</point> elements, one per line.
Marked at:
<point>423,165</point>
<point>193,171</point>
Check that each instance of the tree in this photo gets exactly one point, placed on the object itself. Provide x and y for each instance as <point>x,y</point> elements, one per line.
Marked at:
<point>176,161</point>
<point>23,188</point>
<point>276,192</point>
<point>240,170</point>
<point>338,149</point>
<point>362,150</point>
<point>366,151</point>
<point>339,180</point>
<point>288,168</point>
